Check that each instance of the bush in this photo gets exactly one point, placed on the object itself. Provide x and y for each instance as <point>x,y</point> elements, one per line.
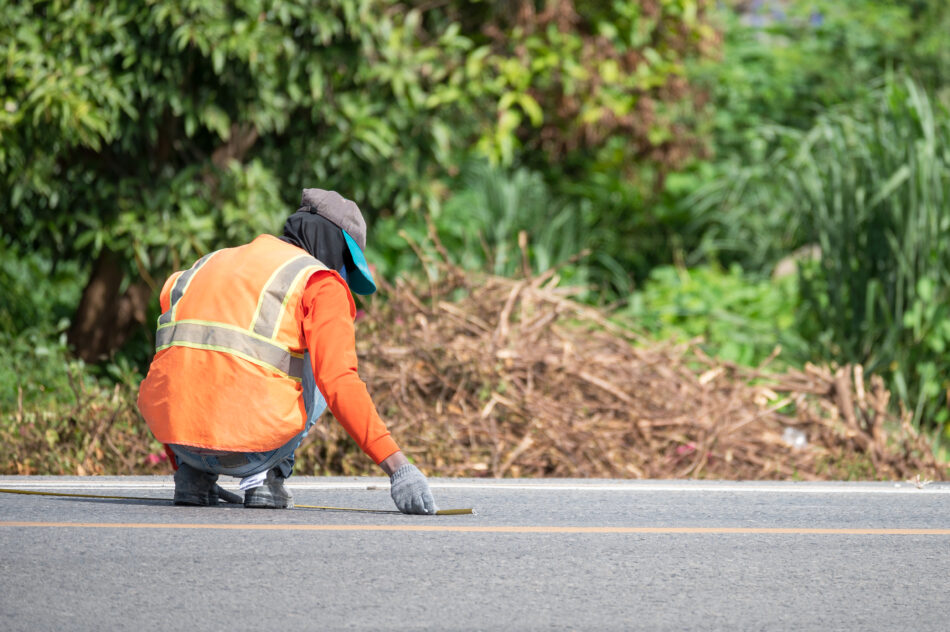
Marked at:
<point>170,129</point>
<point>786,62</point>
<point>783,65</point>
<point>37,299</point>
<point>876,183</point>
<point>740,318</point>
<point>503,220</point>
<point>869,184</point>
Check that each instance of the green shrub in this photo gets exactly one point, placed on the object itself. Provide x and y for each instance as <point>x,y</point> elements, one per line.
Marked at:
<point>784,65</point>
<point>876,183</point>
<point>740,318</point>
<point>785,62</point>
<point>37,299</point>
<point>868,184</point>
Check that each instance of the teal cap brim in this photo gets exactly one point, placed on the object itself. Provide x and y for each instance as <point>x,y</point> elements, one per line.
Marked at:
<point>361,279</point>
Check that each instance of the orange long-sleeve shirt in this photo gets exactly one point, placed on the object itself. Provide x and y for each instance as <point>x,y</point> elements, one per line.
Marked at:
<point>327,313</point>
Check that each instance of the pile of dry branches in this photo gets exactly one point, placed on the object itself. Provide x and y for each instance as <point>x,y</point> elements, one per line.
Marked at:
<point>486,376</point>
<point>504,377</point>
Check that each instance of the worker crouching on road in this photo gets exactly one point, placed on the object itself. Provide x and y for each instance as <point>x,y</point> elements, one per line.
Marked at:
<point>252,345</point>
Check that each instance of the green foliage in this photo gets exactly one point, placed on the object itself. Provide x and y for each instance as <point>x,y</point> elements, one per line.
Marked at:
<point>739,317</point>
<point>633,229</point>
<point>593,102</point>
<point>805,141</point>
<point>160,130</point>
<point>580,73</point>
<point>783,66</point>
<point>34,366</point>
<point>506,221</point>
<point>869,184</point>
<point>141,107</point>
<point>34,289</point>
<point>493,214</point>
<point>37,300</point>
<point>876,181</point>
<point>785,62</point>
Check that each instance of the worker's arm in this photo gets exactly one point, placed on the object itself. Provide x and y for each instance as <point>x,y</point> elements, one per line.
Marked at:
<point>327,318</point>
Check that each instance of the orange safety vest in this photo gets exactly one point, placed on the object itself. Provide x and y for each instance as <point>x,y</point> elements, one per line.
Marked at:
<point>229,350</point>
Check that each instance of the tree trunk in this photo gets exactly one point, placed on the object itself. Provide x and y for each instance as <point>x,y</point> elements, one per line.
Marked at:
<point>105,318</point>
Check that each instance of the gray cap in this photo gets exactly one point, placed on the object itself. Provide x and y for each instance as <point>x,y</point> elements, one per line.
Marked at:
<point>336,208</point>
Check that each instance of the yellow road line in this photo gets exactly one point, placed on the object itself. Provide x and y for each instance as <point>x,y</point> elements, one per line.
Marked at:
<point>483,529</point>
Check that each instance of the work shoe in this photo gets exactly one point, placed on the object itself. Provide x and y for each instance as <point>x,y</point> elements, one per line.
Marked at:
<point>219,493</point>
<point>194,487</point>
<point>271,495</point>
<point>199,489</point>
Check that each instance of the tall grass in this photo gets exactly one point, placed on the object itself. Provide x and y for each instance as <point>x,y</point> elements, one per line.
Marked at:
<point>869,184</point>
<point>874,184</point>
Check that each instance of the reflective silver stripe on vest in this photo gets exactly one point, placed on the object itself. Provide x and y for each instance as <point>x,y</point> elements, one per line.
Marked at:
<point>217,338</point>
<point>178,290</point>
<point>270,305</point>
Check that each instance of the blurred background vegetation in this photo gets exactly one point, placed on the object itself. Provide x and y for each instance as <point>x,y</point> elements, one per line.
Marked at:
<point>758,172</point>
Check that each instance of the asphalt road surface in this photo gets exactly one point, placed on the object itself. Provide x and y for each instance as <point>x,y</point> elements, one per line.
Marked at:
<point>538,555</point>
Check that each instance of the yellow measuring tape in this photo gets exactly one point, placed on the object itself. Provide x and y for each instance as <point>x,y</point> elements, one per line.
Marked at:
<point>440,512</point>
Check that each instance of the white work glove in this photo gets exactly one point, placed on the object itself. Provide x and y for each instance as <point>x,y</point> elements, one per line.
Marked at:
<point>410,491</point>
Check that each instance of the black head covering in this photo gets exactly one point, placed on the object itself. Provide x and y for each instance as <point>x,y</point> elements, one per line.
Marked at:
<point>318,236</point>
